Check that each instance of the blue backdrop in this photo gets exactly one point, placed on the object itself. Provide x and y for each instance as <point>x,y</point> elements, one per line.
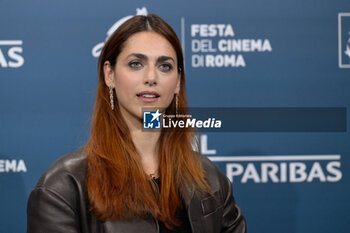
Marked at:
<point>238,54</point>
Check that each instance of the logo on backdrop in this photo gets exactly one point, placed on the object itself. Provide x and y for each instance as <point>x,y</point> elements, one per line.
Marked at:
<point>344,40</point>
<point>277,168</point>
<point>216,45</point>
<point>282,168</point>
<point>96,50</point>
<point>11,53</point>
<point>13,165</point>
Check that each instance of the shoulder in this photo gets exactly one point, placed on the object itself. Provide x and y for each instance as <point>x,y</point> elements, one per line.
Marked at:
<point>217,180</point>
<point>65,177</point>
<point>60,197</point>
<point>233,219</point>
<point>72,165</point>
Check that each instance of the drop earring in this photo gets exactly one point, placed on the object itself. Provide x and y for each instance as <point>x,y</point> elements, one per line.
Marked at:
<point>111,97</point>
<point>176,104</point>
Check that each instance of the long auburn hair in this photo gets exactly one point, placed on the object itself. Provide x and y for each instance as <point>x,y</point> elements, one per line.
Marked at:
<point>117,185</point>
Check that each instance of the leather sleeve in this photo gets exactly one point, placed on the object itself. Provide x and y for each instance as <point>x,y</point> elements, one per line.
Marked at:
<point>233,220</point>
<point>49,212</point>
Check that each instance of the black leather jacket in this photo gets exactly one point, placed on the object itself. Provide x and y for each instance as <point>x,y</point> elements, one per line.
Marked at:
<point>59,203</point>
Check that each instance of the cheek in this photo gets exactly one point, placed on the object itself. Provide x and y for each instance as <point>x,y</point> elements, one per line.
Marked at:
<point>169,88</point>
<point>125,84</point>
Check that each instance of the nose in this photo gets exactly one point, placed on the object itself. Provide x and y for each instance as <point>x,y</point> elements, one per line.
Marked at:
<point>151,76</point>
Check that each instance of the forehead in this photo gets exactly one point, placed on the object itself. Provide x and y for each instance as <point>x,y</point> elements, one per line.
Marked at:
<point>148,43</point>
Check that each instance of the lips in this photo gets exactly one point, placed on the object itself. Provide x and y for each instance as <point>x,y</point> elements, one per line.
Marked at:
<point>148,96</point>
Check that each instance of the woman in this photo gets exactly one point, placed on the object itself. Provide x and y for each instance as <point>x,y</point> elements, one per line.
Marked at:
<point>126,179</point>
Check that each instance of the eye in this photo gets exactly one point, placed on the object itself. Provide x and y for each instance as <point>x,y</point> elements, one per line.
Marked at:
<point>165,67</point>
<point>135,65</point>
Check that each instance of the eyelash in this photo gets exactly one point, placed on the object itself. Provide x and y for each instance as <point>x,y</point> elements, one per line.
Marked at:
<point>136,65</point>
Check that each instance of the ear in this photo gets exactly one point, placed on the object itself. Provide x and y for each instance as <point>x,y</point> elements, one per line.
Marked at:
<point>109,74</point>
<point>178,84</point>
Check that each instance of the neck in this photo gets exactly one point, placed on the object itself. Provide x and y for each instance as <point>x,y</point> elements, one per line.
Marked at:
<point>146,144</point>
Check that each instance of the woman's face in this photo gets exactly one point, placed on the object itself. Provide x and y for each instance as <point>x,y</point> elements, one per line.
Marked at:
<point>145,74</point>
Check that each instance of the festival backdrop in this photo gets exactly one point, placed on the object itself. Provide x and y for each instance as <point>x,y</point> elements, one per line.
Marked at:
<point>281,69</point>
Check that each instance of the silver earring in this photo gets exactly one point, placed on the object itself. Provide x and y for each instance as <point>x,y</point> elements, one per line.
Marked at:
<point>177,103</point>
<point>111,97</point>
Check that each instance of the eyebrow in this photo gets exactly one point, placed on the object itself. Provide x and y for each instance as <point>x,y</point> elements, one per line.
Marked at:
<point>144,57</point>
